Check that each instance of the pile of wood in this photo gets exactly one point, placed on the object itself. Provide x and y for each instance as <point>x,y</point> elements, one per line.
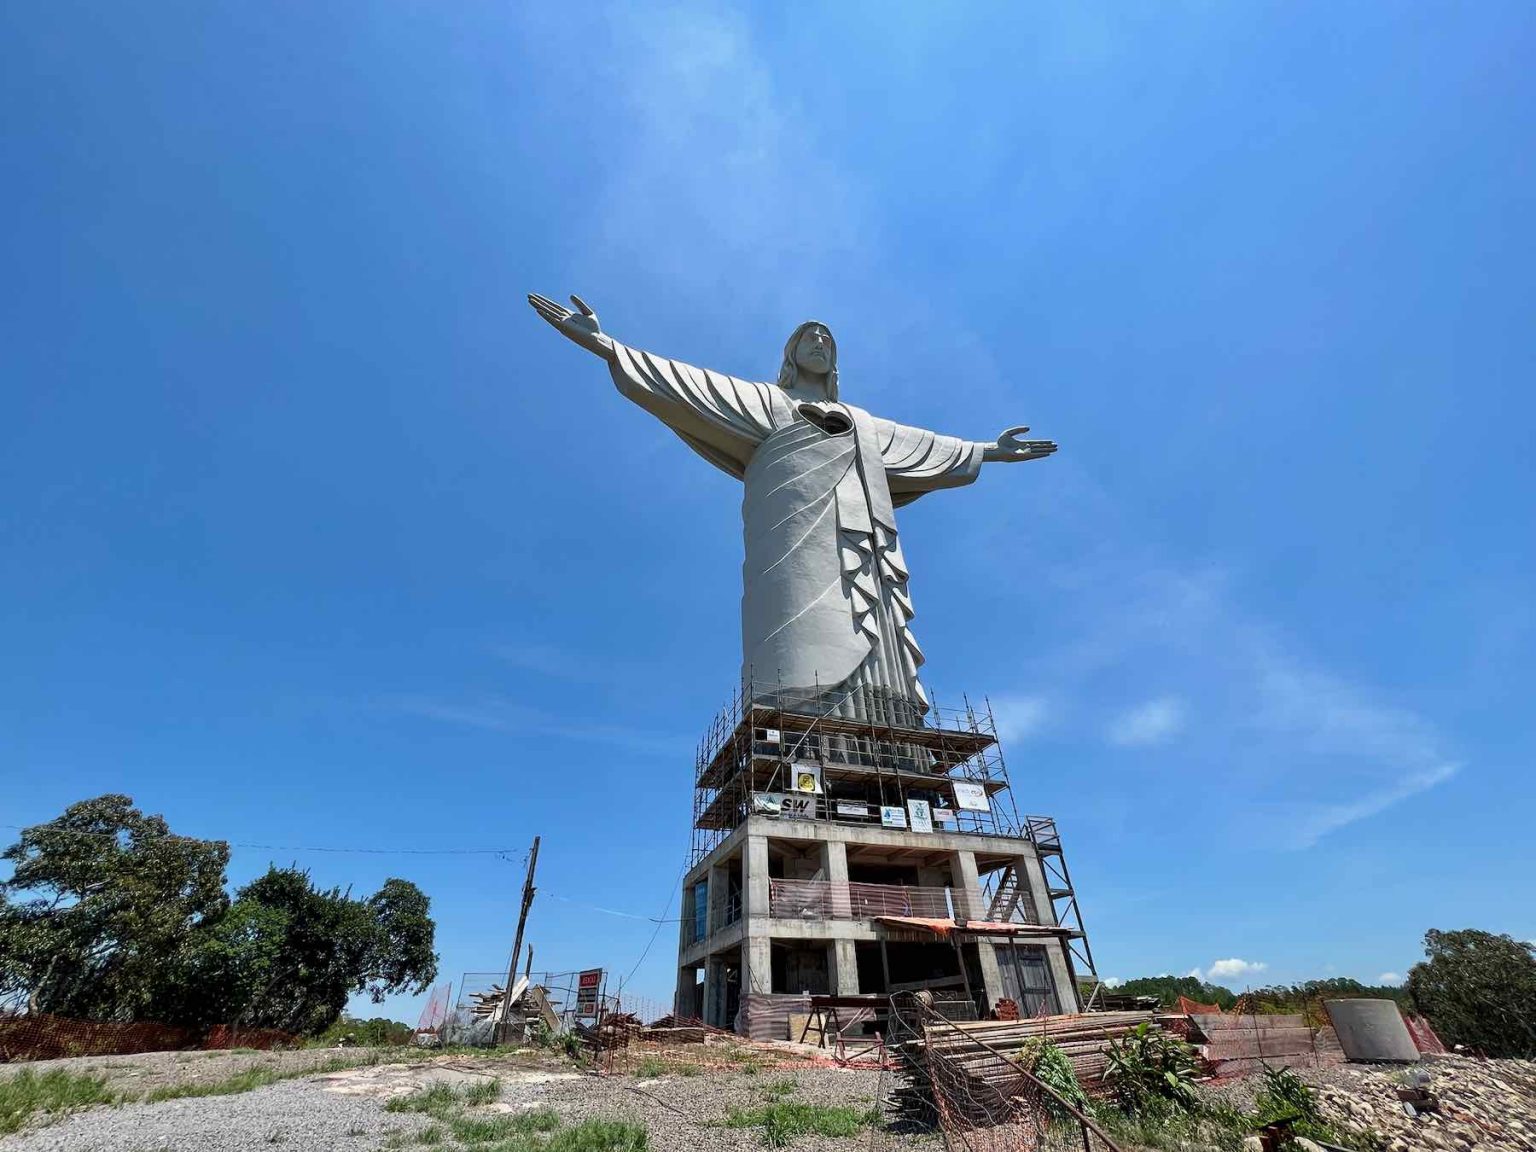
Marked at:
<point>1081,1038</point>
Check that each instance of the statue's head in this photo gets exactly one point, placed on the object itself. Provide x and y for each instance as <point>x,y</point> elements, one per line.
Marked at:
<point>810,360</point>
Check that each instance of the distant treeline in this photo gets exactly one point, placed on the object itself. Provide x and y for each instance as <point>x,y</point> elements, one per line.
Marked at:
<point>1478,990</point>
<point>1273,998</point>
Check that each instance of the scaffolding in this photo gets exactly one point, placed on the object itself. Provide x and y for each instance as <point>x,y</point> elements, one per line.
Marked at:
<point>870,750</point>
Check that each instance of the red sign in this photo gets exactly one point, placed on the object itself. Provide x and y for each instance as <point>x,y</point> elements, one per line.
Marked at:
<point>588,984</point>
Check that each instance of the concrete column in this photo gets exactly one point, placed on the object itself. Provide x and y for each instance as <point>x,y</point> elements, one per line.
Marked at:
<point>714,992</point>
<point>719,889</point>
<point>756,965</point>
<point>1029,866</point>
<point>966,892</point>
<point>845,968</point>
<point>966,896</point>
<point>754,880</point>
<point>834,866</point>
<point>684,995</point>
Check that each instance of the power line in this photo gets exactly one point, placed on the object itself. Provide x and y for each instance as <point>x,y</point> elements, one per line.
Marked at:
<point>276,847</point>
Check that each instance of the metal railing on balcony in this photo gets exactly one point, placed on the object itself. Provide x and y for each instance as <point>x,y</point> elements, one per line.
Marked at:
<point>834,900</point>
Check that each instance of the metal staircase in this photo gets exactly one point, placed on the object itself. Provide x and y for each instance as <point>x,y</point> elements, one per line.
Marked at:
<point>1042,833</point>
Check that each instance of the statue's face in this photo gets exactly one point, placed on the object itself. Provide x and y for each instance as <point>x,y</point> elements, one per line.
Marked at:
<point>813,351</point>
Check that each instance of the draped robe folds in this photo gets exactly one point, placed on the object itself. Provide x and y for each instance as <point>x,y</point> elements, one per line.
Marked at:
<point>825,611</point>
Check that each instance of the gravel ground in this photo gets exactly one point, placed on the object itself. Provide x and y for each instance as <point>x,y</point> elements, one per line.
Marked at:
<point>345,1110</point>
<point>146,1071</point>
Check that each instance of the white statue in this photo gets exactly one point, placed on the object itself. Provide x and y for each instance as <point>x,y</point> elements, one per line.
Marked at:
<point>825,611</point>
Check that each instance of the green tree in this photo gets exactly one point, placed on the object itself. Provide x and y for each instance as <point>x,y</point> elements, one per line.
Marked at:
<point>116,918</point>
<point>97,901</point>
<point>1478,989</point>
<point>289,955</point>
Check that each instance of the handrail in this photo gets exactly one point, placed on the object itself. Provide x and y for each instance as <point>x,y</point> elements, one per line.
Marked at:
<point>856,900</point>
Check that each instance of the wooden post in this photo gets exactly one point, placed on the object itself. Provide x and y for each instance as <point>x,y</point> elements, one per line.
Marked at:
<point>517,943</point>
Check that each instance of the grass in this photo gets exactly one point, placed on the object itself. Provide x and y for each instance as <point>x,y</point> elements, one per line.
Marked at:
<point>783,1120</point>
<point>651,1067</point>
<point>27,1093</point>
<point>483,1092</point>
<point>780,1088</point>
<point>540,1130</point>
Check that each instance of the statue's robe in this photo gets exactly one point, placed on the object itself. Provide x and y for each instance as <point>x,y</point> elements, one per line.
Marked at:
<point>825,610</point>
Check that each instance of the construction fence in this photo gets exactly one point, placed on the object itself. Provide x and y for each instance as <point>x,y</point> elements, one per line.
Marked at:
<point>39,1036</point>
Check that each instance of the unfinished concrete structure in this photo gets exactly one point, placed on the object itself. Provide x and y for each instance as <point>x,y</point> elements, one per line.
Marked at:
<point>842,856</point>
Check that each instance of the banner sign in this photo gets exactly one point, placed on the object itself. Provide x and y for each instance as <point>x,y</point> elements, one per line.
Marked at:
<point>945,816</point>
<point>849,808</point>
<point>805,778</point>
<point>767,803</point>
<point>798,807</point>
<point>892,817</point>
<point>922,818</point>
<point>589,986</point>
<point>971,797</point>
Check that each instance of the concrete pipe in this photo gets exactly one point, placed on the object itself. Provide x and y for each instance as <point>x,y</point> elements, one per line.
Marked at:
<point>1372,1030</point>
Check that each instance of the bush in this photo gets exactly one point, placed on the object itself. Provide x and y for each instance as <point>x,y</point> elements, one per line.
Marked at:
<point>375,1033</point>
<point>1151,1072</point>
<point>1051,1066</point>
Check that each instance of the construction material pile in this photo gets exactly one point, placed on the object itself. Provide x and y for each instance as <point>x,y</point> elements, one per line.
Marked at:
<point>1082,1038</point>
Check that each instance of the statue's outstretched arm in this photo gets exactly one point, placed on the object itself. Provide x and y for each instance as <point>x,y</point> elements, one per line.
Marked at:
<point>1009,449</point>
<point>579,327</point>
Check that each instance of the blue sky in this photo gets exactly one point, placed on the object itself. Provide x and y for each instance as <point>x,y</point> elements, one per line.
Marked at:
<point>314,535</point>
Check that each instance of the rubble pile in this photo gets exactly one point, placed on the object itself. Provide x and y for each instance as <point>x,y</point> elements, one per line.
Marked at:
<point>1445,1104</point>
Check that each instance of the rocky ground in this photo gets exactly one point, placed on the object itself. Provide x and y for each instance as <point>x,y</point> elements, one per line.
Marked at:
<point>1483,1104</point>
<point>345,1109</point>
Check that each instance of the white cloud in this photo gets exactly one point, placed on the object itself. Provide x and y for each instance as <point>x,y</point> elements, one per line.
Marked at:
<point>1196,973</point>
<point>1019,716</point>
<point>1153,722</point>
<point>1234,969</point>
<point>1391,978</point>
<point>1113,981</point>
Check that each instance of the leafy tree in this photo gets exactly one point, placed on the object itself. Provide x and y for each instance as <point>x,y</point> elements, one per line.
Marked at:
<point>121,920</point>
<point>289,955</point>
<point>1168,989</point>
<point>97,900</point>
<point>372,1033</point>
<point>1478,989</point>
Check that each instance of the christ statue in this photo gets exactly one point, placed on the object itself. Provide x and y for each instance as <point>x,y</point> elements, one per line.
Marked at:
<point>826,614</point>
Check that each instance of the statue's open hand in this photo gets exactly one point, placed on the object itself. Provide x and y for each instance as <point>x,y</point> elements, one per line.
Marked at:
<point>580,327</point>
<point>1011,449</point>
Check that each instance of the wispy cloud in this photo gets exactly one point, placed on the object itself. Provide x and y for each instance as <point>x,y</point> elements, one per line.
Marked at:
<point>499,715</point>
<point>1300,751</point>
<point>1392,979</point>
<point>1019,717</point>
<point>1332,817</point>
<point>720,177</point>
<point>1153,722</point>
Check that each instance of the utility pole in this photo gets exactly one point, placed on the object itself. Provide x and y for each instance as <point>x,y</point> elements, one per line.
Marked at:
<point>517,943</point>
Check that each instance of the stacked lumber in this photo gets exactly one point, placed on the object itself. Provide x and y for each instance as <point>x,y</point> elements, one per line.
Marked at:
<point>1081,1038</point>
<point>1232,1045</point>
